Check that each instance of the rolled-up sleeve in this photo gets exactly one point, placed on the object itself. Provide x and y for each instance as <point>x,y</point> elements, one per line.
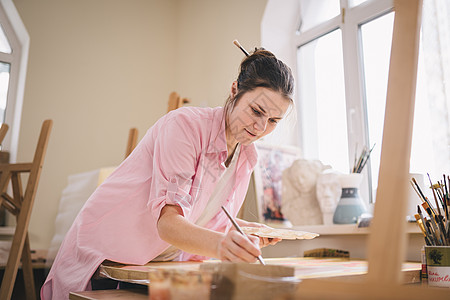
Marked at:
<point>175,154</point>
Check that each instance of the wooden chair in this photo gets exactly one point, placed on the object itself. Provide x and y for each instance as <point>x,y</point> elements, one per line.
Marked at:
<point>4,158</point>
<point>20,205</point>
<point>3,130</point>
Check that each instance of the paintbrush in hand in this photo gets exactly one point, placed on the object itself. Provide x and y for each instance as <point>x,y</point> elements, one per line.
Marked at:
<point>238,228</point>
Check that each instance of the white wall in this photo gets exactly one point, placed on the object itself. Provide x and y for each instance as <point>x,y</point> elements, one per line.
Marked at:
<point>208,60</point>
<point>98,68</point>
<point>278,26</point>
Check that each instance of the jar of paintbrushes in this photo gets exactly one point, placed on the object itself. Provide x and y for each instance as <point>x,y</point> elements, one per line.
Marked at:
<point>433,220</point>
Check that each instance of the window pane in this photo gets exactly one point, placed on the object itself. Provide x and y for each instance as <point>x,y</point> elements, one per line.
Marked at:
<point>314,12</point>
<point>430,152</point>
<point>376,46</point>
<point>4,44</point>
<point>4,83</point>
<point>356,2</point>
<point>322,97</point>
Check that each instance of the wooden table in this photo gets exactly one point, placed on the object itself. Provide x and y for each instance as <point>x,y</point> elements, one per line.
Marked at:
<point>304,268</point>
<point>137,294</point>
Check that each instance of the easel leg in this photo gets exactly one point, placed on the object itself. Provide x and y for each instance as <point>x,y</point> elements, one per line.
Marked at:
<point>27,270</point>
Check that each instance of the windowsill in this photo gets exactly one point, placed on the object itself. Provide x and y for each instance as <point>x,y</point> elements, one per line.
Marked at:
<point>348,229</point>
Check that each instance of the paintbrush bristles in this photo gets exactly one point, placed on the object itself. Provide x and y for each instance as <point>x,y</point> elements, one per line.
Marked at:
<point>421,226</point>
<point>436,226</point>
<point>434,195</point>
<point>240,47</point>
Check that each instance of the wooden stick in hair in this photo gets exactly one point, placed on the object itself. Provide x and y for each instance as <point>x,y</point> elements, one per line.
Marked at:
<point>240,47</point>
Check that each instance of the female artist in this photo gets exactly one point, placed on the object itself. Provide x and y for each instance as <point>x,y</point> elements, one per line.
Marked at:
<point>163,202</point>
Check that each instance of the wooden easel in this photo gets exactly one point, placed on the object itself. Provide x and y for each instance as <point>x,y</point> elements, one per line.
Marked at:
<point>387,238</point>
<point>20,205</point>
<point>132,141</point>
<point>175,101</point>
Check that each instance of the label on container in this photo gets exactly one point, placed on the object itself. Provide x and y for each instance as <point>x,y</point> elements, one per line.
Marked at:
<point>438,265</point>
<point>439,276</point>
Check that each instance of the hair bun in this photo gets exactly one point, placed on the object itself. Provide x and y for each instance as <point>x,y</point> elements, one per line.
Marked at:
<point>262,52</point>
<point>263,69</point>
<point>257,54</point>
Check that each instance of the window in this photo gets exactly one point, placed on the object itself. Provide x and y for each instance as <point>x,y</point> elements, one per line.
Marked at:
<point>333,126</point>
<point>430,151</point>
<point>376,51</point>
<point>343,52</point>
<point>324,112</point>
<point>14,43</point>
<point>5,68</point>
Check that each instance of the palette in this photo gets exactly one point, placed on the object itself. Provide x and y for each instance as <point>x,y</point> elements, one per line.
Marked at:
<point>285,234</point>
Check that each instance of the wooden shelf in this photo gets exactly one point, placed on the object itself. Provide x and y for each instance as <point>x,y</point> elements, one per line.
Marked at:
<point>348,229</point>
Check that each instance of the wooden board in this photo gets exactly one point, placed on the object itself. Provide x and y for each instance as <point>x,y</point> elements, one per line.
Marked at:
<point>138,294</point>
<point>305,268</point>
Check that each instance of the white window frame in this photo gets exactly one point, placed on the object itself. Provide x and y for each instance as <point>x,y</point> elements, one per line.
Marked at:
<point>272,34</point>
<point>19,41</point>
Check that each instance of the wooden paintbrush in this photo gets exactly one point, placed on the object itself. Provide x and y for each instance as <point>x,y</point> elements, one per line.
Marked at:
<point>433,224</point>
<point>422,196</point>
<point>422,228</point>
<point>434,195</point>
<point>437,227</point>
<point>363,158</point>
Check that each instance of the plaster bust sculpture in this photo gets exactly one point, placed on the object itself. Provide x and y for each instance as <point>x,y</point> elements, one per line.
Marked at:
<point>328,191</point>
<point>299,201</point>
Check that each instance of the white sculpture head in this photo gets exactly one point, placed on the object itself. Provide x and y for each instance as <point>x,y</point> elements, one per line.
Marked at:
<point>304,174</point>
<point>328,191</point>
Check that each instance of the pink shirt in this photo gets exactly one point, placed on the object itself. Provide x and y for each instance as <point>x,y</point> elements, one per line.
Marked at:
<point>178,161</point>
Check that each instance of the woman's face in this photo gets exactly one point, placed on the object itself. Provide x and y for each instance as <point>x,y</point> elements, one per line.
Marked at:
<point>255,115</point>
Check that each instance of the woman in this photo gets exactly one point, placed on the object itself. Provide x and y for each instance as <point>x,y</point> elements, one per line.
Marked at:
<point>163,202</point>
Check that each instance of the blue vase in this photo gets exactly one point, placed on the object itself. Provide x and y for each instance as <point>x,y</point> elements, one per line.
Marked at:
<point>350,207</point>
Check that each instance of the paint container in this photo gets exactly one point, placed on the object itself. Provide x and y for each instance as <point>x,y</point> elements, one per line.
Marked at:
<point>423,259</point>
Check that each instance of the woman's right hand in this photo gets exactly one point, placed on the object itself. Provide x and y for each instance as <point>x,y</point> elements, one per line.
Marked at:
<point>236,247</point>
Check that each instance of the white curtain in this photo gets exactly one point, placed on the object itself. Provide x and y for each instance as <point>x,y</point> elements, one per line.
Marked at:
<point>431,135</point>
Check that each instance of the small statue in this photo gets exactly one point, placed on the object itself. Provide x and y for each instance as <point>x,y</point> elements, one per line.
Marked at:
<point>299,201</point>
<point>328,191</point>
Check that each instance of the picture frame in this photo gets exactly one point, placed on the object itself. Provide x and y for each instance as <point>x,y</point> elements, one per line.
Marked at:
<point>267,177</point>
